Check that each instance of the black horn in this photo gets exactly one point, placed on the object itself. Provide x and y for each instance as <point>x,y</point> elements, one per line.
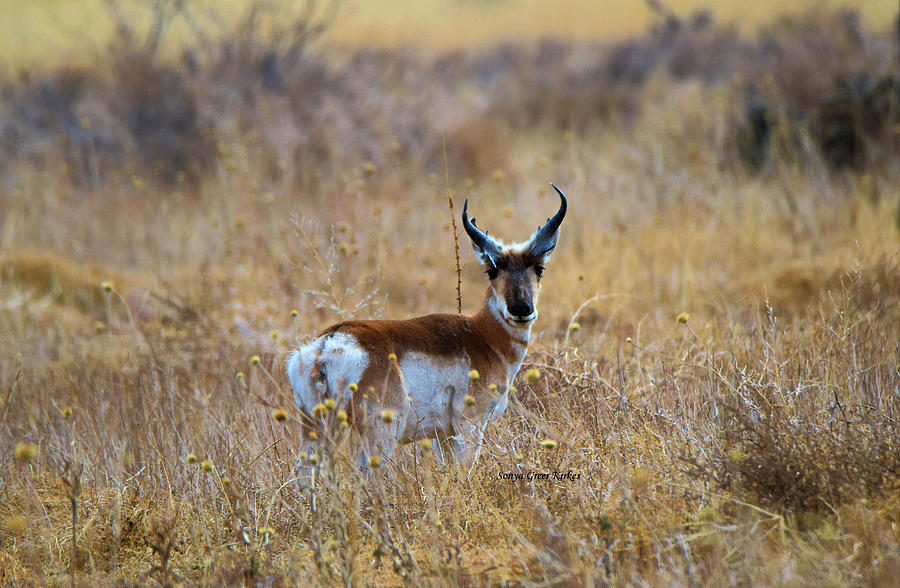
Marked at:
<point>481,240</point>
<point>544,239</point>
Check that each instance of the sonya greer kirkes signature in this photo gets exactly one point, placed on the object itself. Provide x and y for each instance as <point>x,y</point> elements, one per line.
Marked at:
<point>532,475</point>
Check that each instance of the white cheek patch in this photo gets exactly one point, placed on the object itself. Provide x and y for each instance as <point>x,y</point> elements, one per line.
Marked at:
<point>496,305</point>
<point>339,357</point>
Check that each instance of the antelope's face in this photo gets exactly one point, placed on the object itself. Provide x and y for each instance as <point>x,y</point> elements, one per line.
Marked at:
<point>515,270</point>
<point>516,282</point>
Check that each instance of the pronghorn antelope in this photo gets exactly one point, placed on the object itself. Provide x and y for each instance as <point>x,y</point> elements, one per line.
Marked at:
<point>442,376</point>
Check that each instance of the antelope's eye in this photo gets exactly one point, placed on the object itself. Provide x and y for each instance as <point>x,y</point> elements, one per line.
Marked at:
<point>492,272</point>
<point>539,270</point>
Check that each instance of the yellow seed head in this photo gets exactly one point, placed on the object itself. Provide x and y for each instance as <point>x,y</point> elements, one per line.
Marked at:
<point>342,416</point>
<point>492,388</point>
<point>254,361</point>
<point>226,481</point>
<point>107,287</point>
<point>66,412</point>
<point>533,375</point>
<point>274,334</point>
<point>473,375</point>
<point>387,416</point>
<point>513,389</point>
<point>574,326</point>
<point>320,410</point>
<point>25,452</point>
<point>314,459</point>
<point>295,313</point>
<point>469,400</point>
<point>241,379</point>
<point>279,414</point>
<point>303,456</point>
<point>375,461</point>
<point>206,466</point>
<point>313,436</point>
<point>191,459</point>
<point>99,327</point>
<point>683,317</point>
<point>353,387</point>
<point>549,444</point>
<point>628,340</point>
<point>330,403</point>
<point>369,168</point>
<point>392,357</point>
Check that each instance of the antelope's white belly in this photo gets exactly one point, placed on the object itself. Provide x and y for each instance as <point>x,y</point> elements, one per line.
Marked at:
<point>437,387</point>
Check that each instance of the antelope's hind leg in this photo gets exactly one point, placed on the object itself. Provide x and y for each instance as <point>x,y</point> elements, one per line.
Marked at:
<point>321,371</point>
<point>380,411</point>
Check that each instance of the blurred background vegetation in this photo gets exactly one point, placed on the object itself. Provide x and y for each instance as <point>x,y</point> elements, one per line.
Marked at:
<point>165,84</point>
<point>49,31</point>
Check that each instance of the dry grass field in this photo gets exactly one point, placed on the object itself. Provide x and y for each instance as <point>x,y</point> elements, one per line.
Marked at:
<point>718,346</point>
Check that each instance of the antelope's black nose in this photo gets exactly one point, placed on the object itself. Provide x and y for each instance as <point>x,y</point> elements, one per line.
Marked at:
<point>520,309</point>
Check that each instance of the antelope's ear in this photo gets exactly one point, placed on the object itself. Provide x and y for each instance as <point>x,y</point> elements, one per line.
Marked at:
<point>488,257</point>
<point>544,240</point>
<point>541,250</point>
<point>488,250</point>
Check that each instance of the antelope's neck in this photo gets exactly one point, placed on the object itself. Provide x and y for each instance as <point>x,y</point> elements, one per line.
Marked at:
<point>508,341</point>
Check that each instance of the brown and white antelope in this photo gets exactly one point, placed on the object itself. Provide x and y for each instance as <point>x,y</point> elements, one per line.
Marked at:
<point>423,370</point>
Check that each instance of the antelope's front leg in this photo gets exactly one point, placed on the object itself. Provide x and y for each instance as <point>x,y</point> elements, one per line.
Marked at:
<point>448,448</point>
<point>380,414</point>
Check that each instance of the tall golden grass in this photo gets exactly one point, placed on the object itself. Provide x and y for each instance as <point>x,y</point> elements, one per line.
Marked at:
<point>717,352</point>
